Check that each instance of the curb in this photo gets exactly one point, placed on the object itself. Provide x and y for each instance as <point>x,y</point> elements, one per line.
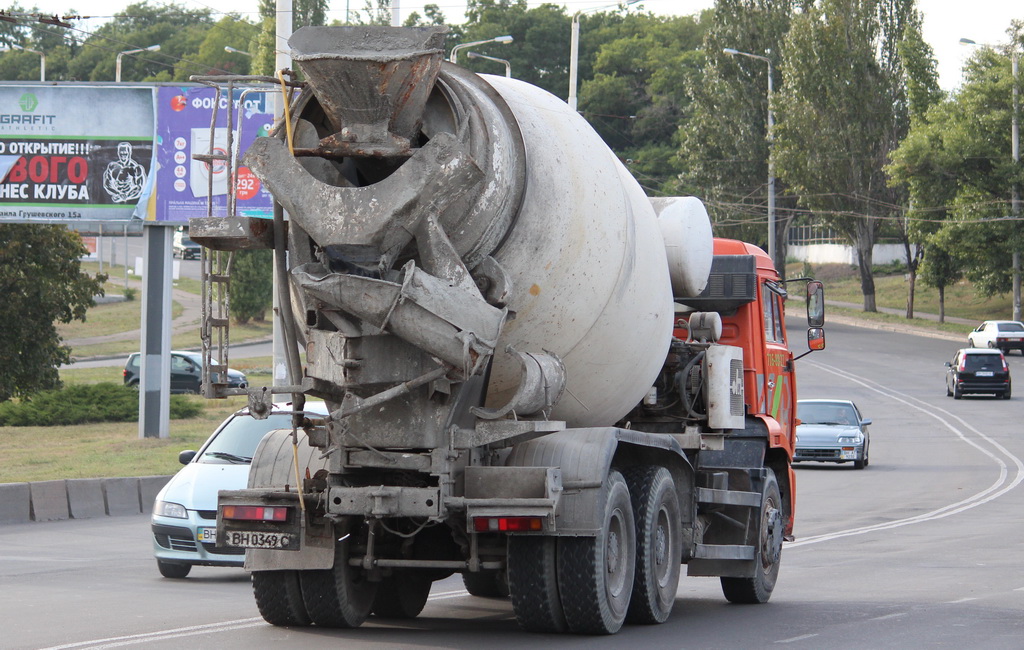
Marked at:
<point>82,498</point>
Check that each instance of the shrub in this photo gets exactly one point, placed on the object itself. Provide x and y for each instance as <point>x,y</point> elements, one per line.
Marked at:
<point>83,403</point>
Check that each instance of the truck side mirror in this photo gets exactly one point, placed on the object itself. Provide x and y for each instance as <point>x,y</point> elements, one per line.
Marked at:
<point>816,307</point>
<point>815,338</point>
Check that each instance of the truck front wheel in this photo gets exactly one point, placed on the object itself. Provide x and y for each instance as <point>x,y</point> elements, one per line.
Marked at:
<point>758,589</point>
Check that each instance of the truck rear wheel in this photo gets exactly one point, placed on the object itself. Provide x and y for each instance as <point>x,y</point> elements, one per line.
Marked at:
<point>659,546</point>
<point>338,597</point>
<point>401,595</point>
<point>595,574</point>
<point>758,589</point>
<point>533,583</point>
<point>279,598</point>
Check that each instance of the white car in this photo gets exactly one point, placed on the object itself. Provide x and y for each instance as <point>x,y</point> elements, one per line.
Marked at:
<point>1003,334</point>
<point>184,519</point>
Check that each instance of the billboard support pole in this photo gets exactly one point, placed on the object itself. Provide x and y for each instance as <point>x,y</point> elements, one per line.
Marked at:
<point>155,375</point>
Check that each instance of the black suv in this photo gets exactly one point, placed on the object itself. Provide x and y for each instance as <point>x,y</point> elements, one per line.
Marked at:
<point>974,370</point>
<point>186,372</point>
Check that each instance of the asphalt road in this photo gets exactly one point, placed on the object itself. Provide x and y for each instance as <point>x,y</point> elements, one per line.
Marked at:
<point>921,549</point>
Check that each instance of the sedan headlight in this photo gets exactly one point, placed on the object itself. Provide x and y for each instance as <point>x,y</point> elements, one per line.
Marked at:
<point>851,440</point>
<point>168,509</point>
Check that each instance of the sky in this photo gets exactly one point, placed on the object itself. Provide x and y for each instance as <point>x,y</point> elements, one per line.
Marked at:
<point>945,21</point>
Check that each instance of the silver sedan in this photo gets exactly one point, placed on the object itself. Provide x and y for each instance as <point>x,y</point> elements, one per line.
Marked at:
<point>831,431</point>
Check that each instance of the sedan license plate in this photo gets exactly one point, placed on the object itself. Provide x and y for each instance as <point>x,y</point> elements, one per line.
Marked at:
<point>207,535</point>
<point>983,373</point>
<point>253,539</point>
<point>848,454</point>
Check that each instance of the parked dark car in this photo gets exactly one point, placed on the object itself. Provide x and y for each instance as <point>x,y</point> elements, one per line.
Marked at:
<point>186,249</point>
<point>976,370</point>
<point>186,372</point>
<point>832,431</point>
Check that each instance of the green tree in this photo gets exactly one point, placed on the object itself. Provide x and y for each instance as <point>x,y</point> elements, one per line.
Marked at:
<point>252,285</point>
<point>724,144</point>
<point>842,111</point>
<point>42,283</point>
<point>923,92</point>
<point>540,52</point>
<point>432,16</point>
<point>178,30</point>
<point>956,164</point>
<point>211,57</point>
<point>940,269</point>
<point>638,94</point>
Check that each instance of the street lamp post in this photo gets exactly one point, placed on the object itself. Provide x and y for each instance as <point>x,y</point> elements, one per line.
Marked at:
<point>771,138</point>
<point>228,48</point>
<point>42,60</point>
<point>477,55</point>
<point>1015,153</point>
<point>117,71</point>
<point>453,57</point>
<point>574,47</point>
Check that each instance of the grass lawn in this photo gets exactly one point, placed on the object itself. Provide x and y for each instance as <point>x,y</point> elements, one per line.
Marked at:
<point>115,448</point>
<point>842,283</point>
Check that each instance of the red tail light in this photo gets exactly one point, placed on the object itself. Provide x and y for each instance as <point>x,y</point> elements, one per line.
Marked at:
<point>1005,367</point>
<point>508,524</point>
<point>254,513</point>
<point>963,364</point>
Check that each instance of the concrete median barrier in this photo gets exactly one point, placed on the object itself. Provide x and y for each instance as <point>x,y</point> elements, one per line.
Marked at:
<point>122,495</point>
<point>85,498</point>
<point>49,500</point>
<point>15,503</point>
<point>78,498</point>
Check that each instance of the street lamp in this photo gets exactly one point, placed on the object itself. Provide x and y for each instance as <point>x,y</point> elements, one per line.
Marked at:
<point>477,55</point>
<point>228,48</point>
<point>117,72</point>
<point>771,138</point>
<point>574,46</point>
<point>1015,152</point>
<point>42,60</point>
<point>453,57</point>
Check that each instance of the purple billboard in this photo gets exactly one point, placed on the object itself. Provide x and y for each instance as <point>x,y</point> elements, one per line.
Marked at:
<point>184,129</point>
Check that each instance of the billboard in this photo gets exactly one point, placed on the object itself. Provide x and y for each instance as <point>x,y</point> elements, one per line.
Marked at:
<point>75,153</point>
<point>184,120</point>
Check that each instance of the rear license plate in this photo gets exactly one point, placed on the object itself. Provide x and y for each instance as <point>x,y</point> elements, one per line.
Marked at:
<point>253,539</point>
<point>983,373</point>
<point>207,535</point>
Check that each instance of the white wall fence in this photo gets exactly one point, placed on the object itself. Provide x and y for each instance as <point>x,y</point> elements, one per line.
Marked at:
<point>843,254</point>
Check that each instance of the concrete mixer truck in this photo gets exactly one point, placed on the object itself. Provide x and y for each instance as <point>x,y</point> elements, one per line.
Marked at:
<point>536,376</point>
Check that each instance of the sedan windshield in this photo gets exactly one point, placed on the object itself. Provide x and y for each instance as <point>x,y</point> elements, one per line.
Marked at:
<point>825,413</point>
<point>237,441</point>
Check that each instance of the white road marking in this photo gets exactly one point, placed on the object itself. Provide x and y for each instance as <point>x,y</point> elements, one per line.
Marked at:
<point>888,616</point>
<point>994,491</point>
<point>129,639</point>
<point>193,630</point>
<point>962,600</point>
<point>797,638</point>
